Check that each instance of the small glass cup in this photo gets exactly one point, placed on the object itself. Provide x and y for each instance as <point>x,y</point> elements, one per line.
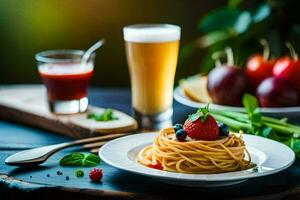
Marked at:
<point>66,79</point>
<point>152,51</point>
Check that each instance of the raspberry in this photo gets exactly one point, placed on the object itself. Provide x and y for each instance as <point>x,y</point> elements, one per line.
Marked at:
<point>96,175</point>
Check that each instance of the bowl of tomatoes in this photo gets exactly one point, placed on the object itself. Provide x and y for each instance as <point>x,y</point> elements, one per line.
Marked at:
<point>274,81</point>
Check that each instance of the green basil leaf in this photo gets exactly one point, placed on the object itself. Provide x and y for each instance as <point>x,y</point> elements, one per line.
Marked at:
<point>256,116</point>
<point>251,105</point>
<point>73,159</point>
<point>90,160</point>
<point>80,159</point>
<point>107,115</point>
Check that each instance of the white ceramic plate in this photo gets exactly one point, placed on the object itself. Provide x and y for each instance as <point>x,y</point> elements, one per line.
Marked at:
<point>290,112</point>
<point>269,155</point>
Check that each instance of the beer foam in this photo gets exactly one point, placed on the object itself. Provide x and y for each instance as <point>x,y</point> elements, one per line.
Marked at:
<point>63,69</point>
<point>151,33</point>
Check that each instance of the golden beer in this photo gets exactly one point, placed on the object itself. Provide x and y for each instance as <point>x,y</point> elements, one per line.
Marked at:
<point>152,52</point>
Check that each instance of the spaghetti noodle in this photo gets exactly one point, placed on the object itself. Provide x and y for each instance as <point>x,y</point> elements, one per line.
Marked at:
<point>204,157</point>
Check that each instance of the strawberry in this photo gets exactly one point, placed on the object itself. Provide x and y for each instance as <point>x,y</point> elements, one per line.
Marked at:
<point>201,125</point>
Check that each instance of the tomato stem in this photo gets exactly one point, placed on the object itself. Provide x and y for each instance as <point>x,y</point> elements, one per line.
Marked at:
<point>266,48</point>
<point>217,57</point>
<point>293,53</point>
<point>229,53</point>
<point>218,63</point>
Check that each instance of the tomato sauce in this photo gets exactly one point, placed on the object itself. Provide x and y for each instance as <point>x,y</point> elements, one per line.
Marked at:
<point>69,85</point>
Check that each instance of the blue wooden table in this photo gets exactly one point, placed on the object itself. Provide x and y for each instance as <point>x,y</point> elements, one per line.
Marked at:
<point>43,182</point>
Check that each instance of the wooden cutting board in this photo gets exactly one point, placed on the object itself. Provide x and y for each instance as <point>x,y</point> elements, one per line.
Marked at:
<point>27,104</point>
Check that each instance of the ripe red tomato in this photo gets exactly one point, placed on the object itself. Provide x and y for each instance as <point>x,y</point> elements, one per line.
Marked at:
<point>258,69</point>
<point>288,69</point>
<point>276,92</point>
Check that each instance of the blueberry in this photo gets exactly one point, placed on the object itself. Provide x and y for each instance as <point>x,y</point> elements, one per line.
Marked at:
<point>177,127</point>
<point>181,135</point>
<point>223,129</point>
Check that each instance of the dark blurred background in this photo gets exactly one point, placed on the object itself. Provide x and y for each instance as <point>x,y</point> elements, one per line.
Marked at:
<point>30,26</point>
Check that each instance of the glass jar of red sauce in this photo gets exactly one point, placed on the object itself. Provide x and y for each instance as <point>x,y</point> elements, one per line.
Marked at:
<point>66,78</point>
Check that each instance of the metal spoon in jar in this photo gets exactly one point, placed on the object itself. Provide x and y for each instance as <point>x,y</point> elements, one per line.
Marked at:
<point>87,54</point>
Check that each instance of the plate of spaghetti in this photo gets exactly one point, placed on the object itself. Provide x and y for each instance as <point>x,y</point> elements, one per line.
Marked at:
<point>201,152</point>
<point>226,154</point>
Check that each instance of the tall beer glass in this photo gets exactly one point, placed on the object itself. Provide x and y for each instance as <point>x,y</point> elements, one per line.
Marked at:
<point>152,52</point>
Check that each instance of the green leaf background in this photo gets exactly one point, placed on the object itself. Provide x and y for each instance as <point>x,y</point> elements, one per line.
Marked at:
<point>241,24</point>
